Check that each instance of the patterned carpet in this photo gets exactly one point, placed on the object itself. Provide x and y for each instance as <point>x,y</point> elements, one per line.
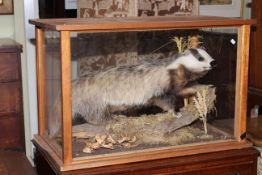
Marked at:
<point>259,163</point>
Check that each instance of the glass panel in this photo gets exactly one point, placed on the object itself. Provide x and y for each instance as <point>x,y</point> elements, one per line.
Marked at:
<point>139,90</point>
<point>53,85</point>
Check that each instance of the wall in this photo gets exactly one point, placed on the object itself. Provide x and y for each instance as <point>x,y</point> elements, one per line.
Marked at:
<point>31,12</point>
<point>246,10</point>
<point>13,26</point>
<point>23,33</point>
<point>225,10</point>
<point>7,26</point>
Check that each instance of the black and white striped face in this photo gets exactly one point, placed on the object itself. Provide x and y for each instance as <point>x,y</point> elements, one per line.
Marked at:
<point>195,60</point>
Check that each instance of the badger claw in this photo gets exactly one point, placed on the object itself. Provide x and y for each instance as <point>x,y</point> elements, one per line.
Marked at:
<point>178,115</point>
<point>175,114</point>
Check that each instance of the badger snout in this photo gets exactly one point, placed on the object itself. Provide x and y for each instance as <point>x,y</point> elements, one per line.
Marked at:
<point>210,66</point>
<point>213,64</point>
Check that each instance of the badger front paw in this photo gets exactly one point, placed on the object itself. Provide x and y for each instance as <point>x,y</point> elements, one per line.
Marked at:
<point>175,114</point>
<point>192,90</point>
<point>188,91</point>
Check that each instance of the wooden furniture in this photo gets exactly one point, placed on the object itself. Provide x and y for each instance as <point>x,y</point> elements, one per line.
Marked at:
<point>61,158</point>
<point>11,108</point>
<point>231,162</point>
<point>255,78</point>
<point>254,130</point>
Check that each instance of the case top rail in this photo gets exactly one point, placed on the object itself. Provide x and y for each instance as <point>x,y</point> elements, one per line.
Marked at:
<point>137,23</point>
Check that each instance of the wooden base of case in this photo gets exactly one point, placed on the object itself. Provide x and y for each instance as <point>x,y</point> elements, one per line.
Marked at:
<point>231,162</point>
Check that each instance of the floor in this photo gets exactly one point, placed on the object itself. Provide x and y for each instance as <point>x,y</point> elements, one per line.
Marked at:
<point>15,163</point>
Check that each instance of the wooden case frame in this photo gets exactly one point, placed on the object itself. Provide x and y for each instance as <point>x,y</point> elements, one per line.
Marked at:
<point>62,160</point>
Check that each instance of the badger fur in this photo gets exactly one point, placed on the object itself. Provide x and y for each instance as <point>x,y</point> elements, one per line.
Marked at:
<point>94,94</point>
<point>155,82</point>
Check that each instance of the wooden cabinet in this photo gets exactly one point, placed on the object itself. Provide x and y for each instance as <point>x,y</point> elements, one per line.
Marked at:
<point>224,156</point>
<point>255,78</point>
<point>11,108</point>
<point>231,162</point>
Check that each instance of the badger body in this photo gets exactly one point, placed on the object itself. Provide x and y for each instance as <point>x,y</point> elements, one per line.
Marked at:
<point>94,94</point>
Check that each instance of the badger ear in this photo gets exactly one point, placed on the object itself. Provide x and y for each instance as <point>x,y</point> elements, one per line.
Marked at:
<point>191,51</point>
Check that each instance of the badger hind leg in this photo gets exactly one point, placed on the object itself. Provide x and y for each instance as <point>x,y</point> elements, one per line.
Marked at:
<point>54,128</point>
<point>54,121</point>
<point>96,115</point>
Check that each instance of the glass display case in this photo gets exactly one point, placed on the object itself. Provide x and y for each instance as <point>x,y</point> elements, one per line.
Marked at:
<point>114,91</point>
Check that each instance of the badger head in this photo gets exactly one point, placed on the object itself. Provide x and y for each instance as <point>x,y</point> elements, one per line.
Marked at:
<point>194,60</point>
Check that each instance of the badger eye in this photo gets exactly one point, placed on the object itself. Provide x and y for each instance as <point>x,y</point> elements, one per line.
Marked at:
<point>201,59</point>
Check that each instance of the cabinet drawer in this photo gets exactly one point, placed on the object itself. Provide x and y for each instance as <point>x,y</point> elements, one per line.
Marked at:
<point>9,67</point>
<point>10,98</point>
<point>11,132</point>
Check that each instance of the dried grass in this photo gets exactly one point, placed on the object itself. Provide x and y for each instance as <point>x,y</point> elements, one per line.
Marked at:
<point>203,101</point>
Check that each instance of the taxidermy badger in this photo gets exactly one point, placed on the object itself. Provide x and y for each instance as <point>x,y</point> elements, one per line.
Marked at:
<point>156,82</point>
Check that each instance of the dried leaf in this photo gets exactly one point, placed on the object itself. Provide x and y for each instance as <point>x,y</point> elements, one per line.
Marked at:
<point>110,139</point>
<point>88,144</point>
<point>127,145</point>
<point>123,139</point>
<point>108,146</point>
<point>96,145</point>
<point>100,138</point>
<point>133,140</point>
<point>87,150</point>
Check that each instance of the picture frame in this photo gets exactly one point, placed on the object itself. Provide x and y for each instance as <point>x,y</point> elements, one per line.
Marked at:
<point>125,8</point>
<point>217,8</point>
<point>6,7</point>
<point>105,8</point>
<point>168,8</point>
